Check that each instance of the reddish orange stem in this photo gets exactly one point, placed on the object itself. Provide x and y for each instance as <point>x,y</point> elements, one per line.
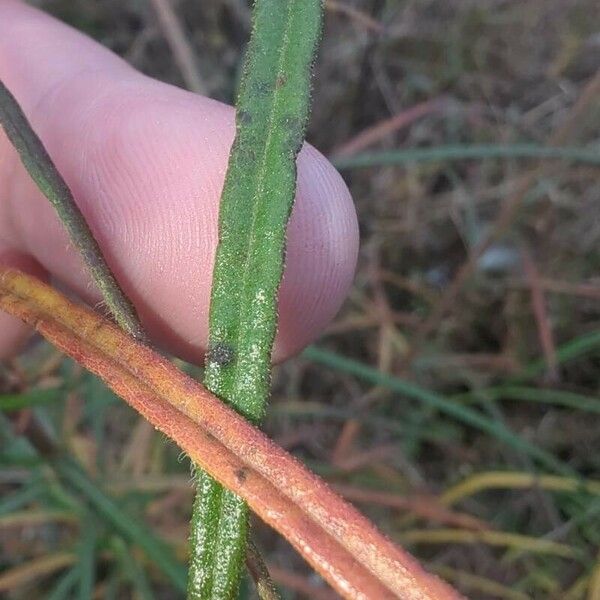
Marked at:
<point>341,544</point>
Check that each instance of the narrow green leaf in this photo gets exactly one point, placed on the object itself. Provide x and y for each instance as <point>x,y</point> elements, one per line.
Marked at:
<point>40,167</point>
<point>464,152</point>
<point>272,111</point>
<point>461,413</point>
<point>257,200</point>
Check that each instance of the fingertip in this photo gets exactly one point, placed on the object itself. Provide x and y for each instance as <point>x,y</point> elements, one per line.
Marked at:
<point>321,254</point>
<point>146,163</point>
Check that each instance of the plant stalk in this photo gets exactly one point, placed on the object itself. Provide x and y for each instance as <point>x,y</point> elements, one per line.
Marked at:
<point>39,165</point>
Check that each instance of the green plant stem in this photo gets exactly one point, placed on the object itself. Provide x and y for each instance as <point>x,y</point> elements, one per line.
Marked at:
<point>465,152</point>
<point>40,167</point>
<point>272,111</point>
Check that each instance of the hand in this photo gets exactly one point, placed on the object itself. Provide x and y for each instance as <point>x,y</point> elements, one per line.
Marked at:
<point>146,163</point>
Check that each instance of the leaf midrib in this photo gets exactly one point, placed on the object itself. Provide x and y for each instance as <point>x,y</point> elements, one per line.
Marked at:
<point>260,177</point>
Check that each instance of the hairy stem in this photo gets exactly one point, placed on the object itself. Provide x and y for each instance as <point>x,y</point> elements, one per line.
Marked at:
<point>40,167</point>
<point>272,111</point>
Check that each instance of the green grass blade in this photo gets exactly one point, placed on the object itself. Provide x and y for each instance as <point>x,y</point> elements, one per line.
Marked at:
<point>87,557</point>
<point>75,479</point>
<point>464,152</point>
<point>65,585</point>
<point>588,343</point>
<point>456,411</point>
<point>562,398</point>
<point>133,571</point>
<point>19,499</point>
<point>40,167</point>
<point>12,402</point>
<point>272,111</point>
<point>298,410</point>
<point>123,523</point>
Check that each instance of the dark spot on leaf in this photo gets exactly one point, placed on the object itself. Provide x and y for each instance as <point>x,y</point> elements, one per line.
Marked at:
<point>220,354</point>
<point>281,81</point>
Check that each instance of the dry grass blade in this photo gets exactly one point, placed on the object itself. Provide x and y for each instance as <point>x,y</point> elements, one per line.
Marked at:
<point>300,584</point>
<point>421,506</point>
<point>182,50</point>
<point>38,567</point>
<point>538,307</point>
<point>516,541</point>
<point>515,480</point>
<point>342,545</point>
<point>359,17</point>
<point>482,584</point>
<point>373,134</point>
<point>31,518</point>
<point>594,584</point>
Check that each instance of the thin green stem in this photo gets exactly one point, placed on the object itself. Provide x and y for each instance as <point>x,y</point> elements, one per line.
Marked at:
<point>87,557</point>
<point>40,167</point>
<point>272,111</point>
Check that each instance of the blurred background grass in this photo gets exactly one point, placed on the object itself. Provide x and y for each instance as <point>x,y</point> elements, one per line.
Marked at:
<point>456,397</point>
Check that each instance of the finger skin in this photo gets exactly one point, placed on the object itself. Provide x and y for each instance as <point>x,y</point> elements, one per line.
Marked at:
<point>146,162</point>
